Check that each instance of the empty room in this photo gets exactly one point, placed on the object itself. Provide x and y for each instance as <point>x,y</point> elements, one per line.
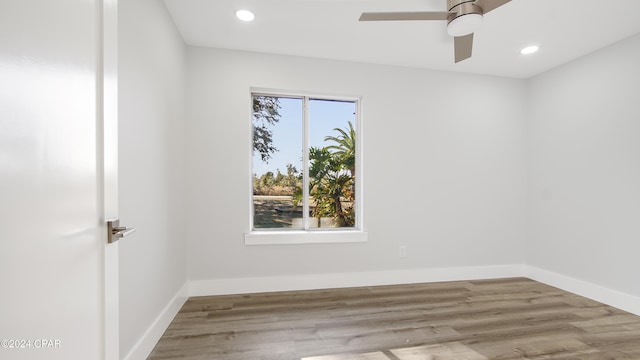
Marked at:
<point>320,179</point>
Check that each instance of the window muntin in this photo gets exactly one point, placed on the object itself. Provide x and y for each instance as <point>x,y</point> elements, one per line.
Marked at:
<point>304,163</point>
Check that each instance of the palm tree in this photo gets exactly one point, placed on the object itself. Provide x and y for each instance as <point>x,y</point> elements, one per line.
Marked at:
<point>345,147</point>
<point>332,174</point>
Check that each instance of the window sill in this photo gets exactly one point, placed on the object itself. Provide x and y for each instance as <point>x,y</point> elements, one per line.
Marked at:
<point>304,237</point>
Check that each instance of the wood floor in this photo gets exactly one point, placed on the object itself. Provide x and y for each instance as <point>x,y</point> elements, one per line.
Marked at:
<point>490,319</point>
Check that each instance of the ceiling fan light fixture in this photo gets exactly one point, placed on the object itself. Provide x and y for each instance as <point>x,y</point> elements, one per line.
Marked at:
<point>464,25</point>
<point>245,15</point>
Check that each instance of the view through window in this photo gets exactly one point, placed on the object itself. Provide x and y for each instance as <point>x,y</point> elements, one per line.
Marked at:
<point>304,162</point>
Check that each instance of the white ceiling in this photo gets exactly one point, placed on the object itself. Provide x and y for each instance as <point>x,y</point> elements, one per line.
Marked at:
<point>564,29</point>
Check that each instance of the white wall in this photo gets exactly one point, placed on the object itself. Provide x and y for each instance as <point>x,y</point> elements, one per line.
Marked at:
<point>444,166</point>
<point>151,99</point>
<point>584,156</point>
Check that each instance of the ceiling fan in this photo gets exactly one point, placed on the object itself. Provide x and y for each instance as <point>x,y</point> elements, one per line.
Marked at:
<point>463,18</point>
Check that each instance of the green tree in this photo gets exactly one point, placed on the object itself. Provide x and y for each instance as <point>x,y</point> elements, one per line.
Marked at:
<point>267,179</point>
<point>293,176</point>
<point>279,179</point>
<point>265,115</point>
<point>344,147</point>
<point>333,170</point>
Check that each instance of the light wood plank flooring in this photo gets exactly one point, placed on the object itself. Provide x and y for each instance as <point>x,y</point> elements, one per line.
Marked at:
<point>489,319</point>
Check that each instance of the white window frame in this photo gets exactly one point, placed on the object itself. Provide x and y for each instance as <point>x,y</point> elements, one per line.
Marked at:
<point>310,235</point>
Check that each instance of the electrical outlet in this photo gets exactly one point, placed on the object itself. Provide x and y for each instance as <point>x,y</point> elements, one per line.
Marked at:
<point>402,252</point>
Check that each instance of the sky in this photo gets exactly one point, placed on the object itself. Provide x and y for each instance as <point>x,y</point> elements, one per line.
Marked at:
<point>324,116</point>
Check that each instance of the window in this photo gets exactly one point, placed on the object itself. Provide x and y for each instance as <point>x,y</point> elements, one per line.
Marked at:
<point>305,162</point>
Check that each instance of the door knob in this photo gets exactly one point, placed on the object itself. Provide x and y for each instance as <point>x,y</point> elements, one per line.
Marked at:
<point>115,232</point>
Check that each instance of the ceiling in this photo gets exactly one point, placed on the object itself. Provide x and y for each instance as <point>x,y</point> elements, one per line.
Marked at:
<point>564,30</point>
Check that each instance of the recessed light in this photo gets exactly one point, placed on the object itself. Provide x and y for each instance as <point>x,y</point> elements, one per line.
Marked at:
<point>245,15</point>
<point>530,50</point>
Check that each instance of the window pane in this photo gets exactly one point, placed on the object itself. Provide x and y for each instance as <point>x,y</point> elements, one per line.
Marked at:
<point>277,162</point>
<point>332,163</point>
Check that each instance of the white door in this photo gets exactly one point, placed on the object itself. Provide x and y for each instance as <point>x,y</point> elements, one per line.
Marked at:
<point>54,302</point>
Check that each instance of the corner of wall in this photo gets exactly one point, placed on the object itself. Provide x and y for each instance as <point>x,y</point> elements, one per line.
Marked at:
<point>145,345</point>
<point>589,290</point>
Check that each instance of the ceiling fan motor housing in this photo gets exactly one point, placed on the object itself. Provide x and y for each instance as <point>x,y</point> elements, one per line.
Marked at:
<point>459,8</point>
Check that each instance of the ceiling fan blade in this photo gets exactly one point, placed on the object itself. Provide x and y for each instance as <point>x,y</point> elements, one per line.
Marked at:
<point>488,5</point>
<point>463,47</point>
<point>402,16</point>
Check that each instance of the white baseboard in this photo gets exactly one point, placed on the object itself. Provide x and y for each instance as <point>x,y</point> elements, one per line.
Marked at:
<point>342,280</point>
<point>589,290</point>
<point>142,349</point>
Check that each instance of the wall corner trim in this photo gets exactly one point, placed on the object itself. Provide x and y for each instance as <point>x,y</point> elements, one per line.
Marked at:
<point>142,349</point>
<point>615,298</point>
